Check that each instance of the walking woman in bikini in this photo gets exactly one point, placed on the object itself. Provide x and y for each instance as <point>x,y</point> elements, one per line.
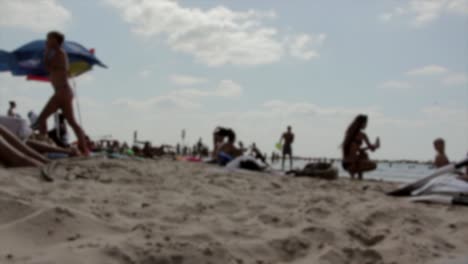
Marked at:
<point>56,63</point>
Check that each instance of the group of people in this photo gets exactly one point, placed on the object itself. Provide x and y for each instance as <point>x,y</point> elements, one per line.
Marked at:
<point>16,152</point>
<point>225,149</point>
<point>355,146</point>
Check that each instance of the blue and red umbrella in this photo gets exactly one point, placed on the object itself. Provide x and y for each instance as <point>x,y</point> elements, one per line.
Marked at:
<point>28,60</point>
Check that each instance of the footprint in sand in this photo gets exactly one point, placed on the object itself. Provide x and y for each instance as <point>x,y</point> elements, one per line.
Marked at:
<point>291,248</point>
<point>52,226</point>
<point>351,256</point>
<point>12,209</point>
<point>365,238</point>
<point>319,234</point>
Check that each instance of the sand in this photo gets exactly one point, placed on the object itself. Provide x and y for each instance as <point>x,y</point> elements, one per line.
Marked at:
<point>166,212</point>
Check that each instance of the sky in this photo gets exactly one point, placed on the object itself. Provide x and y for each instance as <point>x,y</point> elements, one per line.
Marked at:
<point>259,66</point>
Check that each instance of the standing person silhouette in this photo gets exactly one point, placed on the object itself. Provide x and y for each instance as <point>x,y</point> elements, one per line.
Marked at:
<point>56,63</point>
<point>288,138</point>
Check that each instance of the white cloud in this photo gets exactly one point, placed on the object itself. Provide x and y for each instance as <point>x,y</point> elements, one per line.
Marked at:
<point>226,88</point>
<point>439,111</point>
<point>428,70</point>
<point>454,79</point>
<point>283,108</point>
<point>180,79</point>
<point>34,15</point>
<point>441,114</point>
<point>166,102</point>
<point>423,12</point>
<point>144,73</point>
<point>304,46</point>
<point>183,98</point>
<point>214,36</point>
<point>395,85</point>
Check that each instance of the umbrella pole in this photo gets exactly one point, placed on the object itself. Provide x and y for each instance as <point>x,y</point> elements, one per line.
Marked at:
<point>77,102</point>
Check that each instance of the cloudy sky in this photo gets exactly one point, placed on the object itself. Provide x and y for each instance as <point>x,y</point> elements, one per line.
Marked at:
<point>258,66</point>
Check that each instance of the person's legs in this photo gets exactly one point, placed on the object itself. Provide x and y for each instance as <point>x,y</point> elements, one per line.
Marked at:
<point>50,108</point>
<point>67,109</point>
<point>282,161</point>
<point>365,166</point>
<point>17,144</point>
<point>46,148</point>
<point>12,157</point>
<point>290,161</point>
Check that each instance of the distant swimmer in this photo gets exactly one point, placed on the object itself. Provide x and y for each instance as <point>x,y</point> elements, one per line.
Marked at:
<point>287,139</point>
<point>355,157</point>
<point>440,158</point>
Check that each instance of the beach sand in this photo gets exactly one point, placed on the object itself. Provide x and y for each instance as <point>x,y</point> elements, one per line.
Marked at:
<point>166,212</point>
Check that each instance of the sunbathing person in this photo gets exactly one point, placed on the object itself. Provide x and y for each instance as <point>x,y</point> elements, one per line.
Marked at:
<point>355,157</point>
<point>15,153</point>
<point>441,158</point>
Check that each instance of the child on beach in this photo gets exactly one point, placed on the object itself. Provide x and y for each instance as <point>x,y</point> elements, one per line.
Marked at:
<point>56,63</point>
<point>440,158</point>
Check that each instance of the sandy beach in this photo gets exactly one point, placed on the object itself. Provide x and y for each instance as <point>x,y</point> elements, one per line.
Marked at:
<point>143,211</point>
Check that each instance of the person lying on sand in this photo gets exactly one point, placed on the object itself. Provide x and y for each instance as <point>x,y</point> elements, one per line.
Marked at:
<point>15,153</point>
<point>440,158</point>
<point>355,157</point>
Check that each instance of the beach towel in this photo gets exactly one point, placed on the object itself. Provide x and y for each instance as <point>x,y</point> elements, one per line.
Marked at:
<point>447,184</point>
<point>247,163</point>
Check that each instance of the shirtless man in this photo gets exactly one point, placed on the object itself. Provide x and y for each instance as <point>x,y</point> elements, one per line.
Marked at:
<point>440,159</point>
<point>288,138</point>
<point>56,63</point>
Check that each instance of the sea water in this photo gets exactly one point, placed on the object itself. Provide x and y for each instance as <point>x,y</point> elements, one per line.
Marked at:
<point>395,172</point>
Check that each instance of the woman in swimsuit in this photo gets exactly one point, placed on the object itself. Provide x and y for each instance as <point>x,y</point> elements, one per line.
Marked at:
<point>355,158</point>
<point>56,63</point>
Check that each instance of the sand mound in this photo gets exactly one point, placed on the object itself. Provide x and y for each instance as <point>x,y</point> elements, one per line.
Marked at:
<point>130,212</point>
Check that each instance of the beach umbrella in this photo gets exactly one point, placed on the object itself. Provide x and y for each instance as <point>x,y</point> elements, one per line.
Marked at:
<point>28,60</point>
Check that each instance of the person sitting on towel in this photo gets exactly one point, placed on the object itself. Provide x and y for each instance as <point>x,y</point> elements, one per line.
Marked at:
<point>440,158</point>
